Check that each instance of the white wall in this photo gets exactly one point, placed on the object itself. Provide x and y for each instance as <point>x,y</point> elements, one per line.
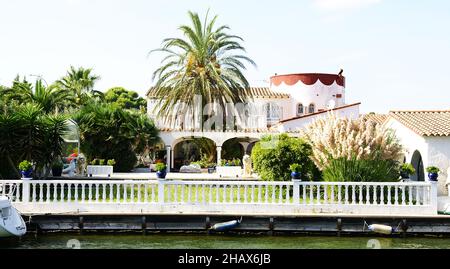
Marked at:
<point>435,151</point>
<point>298,124</point>
<point>439,156</point>
<point>318,94</point>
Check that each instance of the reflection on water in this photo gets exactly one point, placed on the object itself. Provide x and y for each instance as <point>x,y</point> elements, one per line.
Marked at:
<point>202,241</point>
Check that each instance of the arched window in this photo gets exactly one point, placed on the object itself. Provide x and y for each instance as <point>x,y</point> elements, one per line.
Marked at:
<point>300,109</point>
<point>312,108</point>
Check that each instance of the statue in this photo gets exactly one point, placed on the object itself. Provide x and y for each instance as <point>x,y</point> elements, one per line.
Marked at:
<point>81,165</point>
<point>247,166</point>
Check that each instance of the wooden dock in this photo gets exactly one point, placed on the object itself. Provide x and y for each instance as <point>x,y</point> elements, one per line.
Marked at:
<point>306,224</point>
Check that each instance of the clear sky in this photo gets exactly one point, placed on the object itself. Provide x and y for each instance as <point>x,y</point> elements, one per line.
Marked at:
<point>395,53</point>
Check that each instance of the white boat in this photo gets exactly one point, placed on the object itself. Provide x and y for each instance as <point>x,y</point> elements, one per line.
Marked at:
<point>11,222</point>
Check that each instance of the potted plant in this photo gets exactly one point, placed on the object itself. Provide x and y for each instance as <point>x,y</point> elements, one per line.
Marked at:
<point>433,173</point>
<point>211,168</point>
<point>406,170</point>
<point>99,167</point>
<point>161,171</point>
<point>111,162</point>
<point>229,168</point>
<point>57,168</point>
<point>295,171</point>
<point>26,169</point>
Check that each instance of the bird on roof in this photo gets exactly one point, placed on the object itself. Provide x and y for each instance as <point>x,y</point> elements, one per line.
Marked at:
<point>341,72</point>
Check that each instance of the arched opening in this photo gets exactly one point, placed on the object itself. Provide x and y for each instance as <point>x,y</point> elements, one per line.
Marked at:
<point>417,162</point>
<point>193,149</point>
<point>236,148</point>
<point>311,108</point>
<point>71,139</point>
<point>300,109</point>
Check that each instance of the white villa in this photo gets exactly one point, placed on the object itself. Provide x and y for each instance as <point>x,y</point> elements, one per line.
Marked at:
<point>293,101</point>
<point>290,102</point>
<point>426,138</point>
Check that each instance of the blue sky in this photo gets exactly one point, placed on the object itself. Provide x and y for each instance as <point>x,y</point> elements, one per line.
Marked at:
<point>395,53</point>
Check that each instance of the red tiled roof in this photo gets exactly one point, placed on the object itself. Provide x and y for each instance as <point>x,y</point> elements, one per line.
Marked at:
<point>425,123</point>
<point>377,118</point>
<point>255,92</point>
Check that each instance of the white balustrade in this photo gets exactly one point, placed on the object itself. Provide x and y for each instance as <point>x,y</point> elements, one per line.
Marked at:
<point>228,197</point>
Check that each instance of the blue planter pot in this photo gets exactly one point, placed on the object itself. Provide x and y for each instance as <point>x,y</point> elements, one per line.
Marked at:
<point>296,175</point>
<point>27,174</point>
<point>433,176</point>
<point>161,174</point>
<point>404,175</point>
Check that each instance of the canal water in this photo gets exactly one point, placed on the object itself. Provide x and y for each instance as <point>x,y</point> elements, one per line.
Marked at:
<point>202,241</point>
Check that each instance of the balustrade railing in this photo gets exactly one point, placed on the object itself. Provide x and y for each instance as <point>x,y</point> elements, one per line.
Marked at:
<point>229,196</point>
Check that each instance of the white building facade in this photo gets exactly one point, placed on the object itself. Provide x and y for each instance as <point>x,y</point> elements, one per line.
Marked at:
<point>291,102</point>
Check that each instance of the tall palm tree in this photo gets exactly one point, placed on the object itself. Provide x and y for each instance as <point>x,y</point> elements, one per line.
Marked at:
<point>50,98</point>
<point>208,62</point>
<point>80,83</point>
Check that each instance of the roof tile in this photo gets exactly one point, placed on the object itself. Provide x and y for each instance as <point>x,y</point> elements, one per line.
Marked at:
<point>425,123</point>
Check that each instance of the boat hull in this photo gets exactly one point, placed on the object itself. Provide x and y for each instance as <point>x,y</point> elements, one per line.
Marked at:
<point>12,223</point>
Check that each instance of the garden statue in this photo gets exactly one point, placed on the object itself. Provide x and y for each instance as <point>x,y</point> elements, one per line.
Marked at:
<point>81,165</point>
<point>247,166</point>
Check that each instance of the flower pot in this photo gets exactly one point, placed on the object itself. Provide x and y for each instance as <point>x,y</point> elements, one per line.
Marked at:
<point>57,172</point>
<point>404,175</point>
<point>433,176</point>
<point>161,174</point>
<point>27,174</point>
<point>295,175</point>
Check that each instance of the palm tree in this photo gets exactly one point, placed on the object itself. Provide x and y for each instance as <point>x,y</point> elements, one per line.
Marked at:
<point>28,133</point>
<point>206,63</point>
<point>49,98</point>
<point>80,83</point>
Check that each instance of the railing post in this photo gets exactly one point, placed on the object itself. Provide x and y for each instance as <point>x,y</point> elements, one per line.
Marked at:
<point>161,184</point>
<point>26,190</point>
<point>434,196</point>
<point>296,194</point>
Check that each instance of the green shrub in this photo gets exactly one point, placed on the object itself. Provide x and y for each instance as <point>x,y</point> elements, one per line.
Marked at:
<point>407,168</point>
<point>204,162</point>
<point>111,132</point>
<point>273,155</point>
<point>25,165</point>
<point>102,162</point>
<point>354,170</point>
<point>57,164</point>
<point>433,169</point>
<point>95,162</point>
<point>160,167</point>
<point>111,162</point>
<point>233,162</point>
<point>295,167</point>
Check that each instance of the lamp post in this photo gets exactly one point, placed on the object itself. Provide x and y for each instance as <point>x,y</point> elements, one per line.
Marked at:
<point>41,78</point>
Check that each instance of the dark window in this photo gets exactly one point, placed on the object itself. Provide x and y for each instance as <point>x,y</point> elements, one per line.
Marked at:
<point>312,108</point>
<point>300,109</point>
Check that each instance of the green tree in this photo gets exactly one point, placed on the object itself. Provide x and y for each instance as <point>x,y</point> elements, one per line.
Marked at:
<point>49,98</point>
<point>79,82</point>
<point>110,132</point>
<point>28,133</point>
<point>206,63</point>
<point>273,155</point>
<point>125,98</point>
